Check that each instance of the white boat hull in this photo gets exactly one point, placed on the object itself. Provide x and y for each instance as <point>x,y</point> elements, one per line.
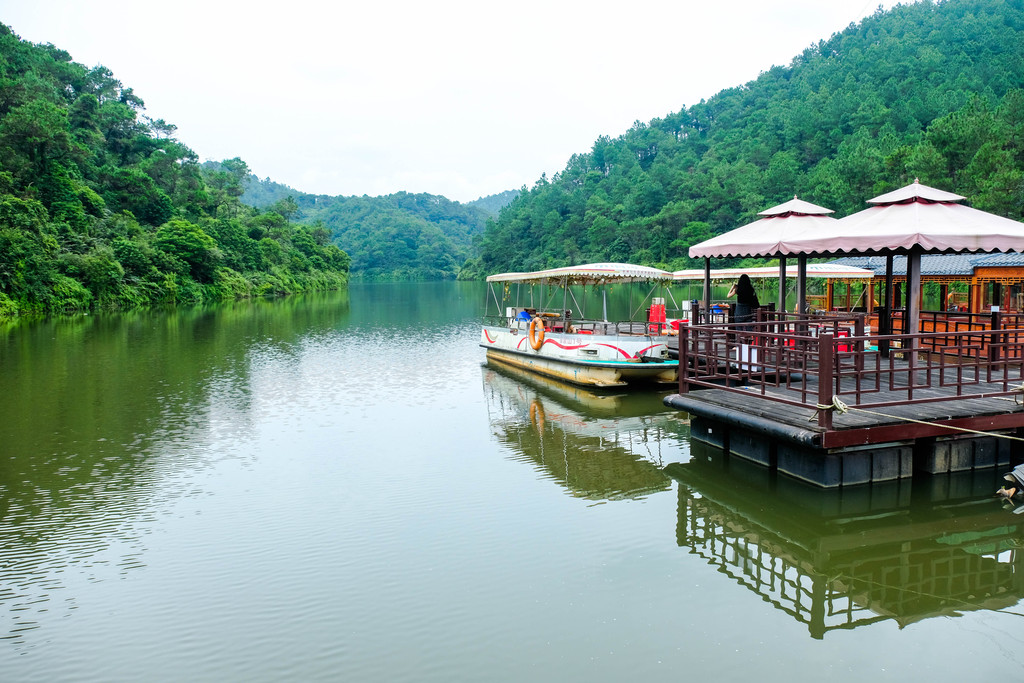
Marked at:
<point>593,360</point>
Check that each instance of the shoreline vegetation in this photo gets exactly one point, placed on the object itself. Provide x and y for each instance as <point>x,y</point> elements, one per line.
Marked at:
<point>101,208</point>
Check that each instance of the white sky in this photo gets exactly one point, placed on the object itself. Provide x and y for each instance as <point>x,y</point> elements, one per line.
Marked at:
<point>451,97</point>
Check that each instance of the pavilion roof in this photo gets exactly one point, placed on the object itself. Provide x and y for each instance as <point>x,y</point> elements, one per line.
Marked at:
<point>915,217</point>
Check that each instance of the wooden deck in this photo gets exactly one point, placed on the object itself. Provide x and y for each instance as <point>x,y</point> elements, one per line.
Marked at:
<point>748,408</point>
<point>836,408</point>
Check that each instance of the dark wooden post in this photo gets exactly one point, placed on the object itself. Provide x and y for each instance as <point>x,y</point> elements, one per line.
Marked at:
<point>684,359</point>
<point>858,331</point>
<point>781,305</point>
<point>801,286</point>
<point>993,340</point>
<point>885,317</point>
<point>912,314</point>
<point>826,351</point>
<point>707,290</point>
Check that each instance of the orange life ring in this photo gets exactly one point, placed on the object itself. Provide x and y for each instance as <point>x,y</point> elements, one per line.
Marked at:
<point>537,338</point>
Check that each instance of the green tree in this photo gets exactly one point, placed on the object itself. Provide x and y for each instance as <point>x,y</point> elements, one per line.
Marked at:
<point>187,241</point>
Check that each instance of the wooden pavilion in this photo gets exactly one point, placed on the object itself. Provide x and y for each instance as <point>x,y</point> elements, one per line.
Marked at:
<point>820,397</point>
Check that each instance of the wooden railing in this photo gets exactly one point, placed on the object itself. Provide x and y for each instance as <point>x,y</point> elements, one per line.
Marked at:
<point>809,361</point>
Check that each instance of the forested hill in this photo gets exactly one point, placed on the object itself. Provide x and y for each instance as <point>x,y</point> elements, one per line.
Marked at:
<point>494,203</point>
<point>930,91</point>
<point>398,236</point>
<point>101,207</point>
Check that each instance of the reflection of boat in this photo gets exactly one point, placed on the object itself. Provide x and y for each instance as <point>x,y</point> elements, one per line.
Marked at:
<point>549,338</point>
<point>597,446</point>
<point>840,559</point>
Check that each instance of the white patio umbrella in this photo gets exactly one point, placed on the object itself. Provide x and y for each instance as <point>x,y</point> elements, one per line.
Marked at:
<point>917,218</point>
<point>781,226</point>
<point>914,220</point>
<point>779,232</point>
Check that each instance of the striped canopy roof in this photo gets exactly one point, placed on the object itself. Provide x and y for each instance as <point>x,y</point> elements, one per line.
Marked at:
<point>588,274</point>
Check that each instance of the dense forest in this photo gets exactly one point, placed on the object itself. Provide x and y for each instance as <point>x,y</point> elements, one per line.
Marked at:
<point>400,236</point>
<point>928,91</point>
<point>102,208</point>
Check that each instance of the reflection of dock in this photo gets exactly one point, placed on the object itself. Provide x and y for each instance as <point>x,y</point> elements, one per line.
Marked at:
<point>597,446</point>
<point>840,559</point>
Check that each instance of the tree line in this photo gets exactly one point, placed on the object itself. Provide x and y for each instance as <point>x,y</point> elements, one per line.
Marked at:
<point>101,207</point>
<point>401,236</point>
<point>928,91</point>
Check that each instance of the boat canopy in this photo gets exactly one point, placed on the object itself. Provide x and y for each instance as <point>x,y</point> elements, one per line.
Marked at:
<point>588,274</point>
<point>833,271</point>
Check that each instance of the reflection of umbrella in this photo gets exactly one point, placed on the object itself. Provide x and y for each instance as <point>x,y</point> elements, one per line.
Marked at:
<point>779,233</point>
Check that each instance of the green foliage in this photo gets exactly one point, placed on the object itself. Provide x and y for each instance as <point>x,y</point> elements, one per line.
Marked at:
<point>187,242</point>
<point>101,206</point>
<point>927,91</point>
<point>400,236</point>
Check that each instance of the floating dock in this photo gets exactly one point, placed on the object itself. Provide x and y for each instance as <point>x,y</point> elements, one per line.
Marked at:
<point>949,405</point>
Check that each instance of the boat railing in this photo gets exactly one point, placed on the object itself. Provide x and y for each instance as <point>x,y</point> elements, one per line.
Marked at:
<point>811,361</point>
<point>561,323</point>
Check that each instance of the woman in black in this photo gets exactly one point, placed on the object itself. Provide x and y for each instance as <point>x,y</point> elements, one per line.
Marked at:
<point>746,300</point>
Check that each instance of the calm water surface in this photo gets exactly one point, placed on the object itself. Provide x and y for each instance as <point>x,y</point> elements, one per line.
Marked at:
<point>337,488</point>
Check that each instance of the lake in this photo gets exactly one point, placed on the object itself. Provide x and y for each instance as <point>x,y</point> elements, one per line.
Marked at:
<point>337,487</point>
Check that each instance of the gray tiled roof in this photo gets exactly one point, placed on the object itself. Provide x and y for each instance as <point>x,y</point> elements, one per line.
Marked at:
<point>1008,259</point>
<point>935,264</point>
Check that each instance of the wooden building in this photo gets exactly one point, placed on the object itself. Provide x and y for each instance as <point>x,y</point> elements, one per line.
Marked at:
<point>969,283</point>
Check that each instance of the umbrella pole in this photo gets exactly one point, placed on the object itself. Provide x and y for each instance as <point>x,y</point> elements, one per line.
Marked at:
<point>781,308</point>
<point>707,286</point>
<point>801,285</point>
<point>913,306</point>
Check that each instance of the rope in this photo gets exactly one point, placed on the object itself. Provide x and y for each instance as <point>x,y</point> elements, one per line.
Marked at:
<point>841,408</point>
<point>1016,399</point>
<point>836,405</point>
<point>934,424</point>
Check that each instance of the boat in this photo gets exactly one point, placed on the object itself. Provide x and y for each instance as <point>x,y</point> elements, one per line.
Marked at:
<point>536,321</point>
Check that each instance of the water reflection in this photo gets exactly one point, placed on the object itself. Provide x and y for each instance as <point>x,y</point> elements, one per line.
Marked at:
<point>841,559</point>
<point>599,446</point>
<point>106,419</point>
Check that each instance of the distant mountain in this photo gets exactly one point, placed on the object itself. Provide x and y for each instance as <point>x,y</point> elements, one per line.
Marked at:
<point>397,236</point>
<point>493,204</point>
<point>928,91</point>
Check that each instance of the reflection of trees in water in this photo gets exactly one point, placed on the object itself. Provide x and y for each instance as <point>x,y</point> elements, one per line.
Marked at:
<point>598,446</point>
<point>107,418</point>
<point>837,559</point>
